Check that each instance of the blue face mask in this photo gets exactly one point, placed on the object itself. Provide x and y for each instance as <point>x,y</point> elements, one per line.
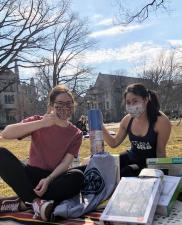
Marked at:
<point>135,110</point>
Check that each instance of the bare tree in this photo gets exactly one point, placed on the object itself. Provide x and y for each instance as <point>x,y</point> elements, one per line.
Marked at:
<point>78,81</point>
<point>157,72</point>
<point>165,73</point>
<point>138,11</point>
<point>68,43</point>
<point>25,28</point>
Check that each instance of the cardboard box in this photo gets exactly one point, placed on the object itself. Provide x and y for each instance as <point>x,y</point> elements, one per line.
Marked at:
<point>170,191</point>
<point>170,166</point>
<point>133,202</point>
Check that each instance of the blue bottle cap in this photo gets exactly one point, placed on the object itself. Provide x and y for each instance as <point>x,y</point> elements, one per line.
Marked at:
<point>95,119</point>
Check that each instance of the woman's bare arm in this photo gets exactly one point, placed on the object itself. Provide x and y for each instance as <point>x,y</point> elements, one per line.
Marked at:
<point>114,141</point>
<point>19,130</point>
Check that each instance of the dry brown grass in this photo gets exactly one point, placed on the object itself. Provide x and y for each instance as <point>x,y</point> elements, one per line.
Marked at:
<point>20,148</point>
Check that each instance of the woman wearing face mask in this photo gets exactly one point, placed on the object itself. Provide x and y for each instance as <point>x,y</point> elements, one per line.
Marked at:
<point>55,142</point>
<point>148,130</point>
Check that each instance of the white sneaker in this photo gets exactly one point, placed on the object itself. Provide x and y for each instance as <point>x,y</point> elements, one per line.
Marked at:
<point>42,208</point>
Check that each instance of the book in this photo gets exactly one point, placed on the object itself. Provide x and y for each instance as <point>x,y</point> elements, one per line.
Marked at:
<point>164,161</point>
<point>169,194</point>
<point>170,166</point>
<point>134,201</point>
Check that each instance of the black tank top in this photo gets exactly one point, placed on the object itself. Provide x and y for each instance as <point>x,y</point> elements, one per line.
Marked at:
<point>142,147</point>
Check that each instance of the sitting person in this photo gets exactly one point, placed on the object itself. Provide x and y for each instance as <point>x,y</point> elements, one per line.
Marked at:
<point>82,124</point>
<point>148,130</point>
<point>46,179</point>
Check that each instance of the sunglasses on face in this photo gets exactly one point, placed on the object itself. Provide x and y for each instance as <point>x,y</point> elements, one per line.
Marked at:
<point>67,104</point>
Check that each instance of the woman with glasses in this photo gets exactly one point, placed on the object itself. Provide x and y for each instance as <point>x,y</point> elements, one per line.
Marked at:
<point>55,141</point>
<point>147,128</point>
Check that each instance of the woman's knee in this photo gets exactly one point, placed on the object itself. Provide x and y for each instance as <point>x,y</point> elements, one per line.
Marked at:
<point>129,171</point>
<point>124,159</point>
<point>4,153</point>
<point>78,177</point>
<point>7,158</point>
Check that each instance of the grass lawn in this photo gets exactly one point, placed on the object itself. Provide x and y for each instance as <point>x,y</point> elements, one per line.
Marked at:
<point>20,149</point>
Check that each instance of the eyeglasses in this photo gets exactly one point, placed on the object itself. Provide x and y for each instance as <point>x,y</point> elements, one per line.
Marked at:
<point>67,104</point>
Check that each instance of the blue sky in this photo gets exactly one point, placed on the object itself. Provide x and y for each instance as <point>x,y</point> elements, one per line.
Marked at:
<point>125,48</point>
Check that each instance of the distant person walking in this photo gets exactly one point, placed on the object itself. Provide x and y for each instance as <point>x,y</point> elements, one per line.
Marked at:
<point>54,143</point>
<point>147,127</point>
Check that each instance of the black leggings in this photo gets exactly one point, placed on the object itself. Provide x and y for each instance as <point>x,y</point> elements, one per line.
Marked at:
<point>128,167</point>
<point>24,178</point>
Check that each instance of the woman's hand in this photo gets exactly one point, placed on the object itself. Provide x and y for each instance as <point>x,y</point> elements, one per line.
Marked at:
<point>42,186</point>
<point>49,119</point>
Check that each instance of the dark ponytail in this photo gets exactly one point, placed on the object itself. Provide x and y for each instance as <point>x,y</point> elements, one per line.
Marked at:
<point>153,105</point>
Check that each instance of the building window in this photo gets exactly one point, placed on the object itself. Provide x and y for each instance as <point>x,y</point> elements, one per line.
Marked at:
<point>88,105</point>
<point>6,99</point>
<point>9,99</point>
<point>107,105</point>
<point>100,105</point>
<point>11,88</point>
<point>10,118</point>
